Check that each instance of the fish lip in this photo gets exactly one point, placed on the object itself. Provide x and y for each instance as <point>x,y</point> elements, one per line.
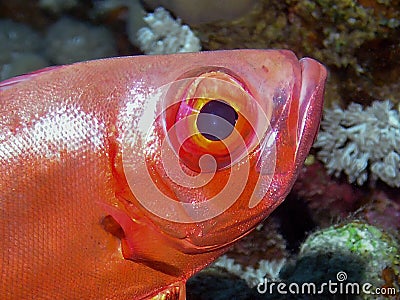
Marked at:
<point>310,103</point>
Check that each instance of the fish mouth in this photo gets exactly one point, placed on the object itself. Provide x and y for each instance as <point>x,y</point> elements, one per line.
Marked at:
<point>313,77</point>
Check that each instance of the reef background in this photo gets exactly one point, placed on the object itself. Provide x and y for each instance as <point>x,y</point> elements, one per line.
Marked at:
<point>358,41</point>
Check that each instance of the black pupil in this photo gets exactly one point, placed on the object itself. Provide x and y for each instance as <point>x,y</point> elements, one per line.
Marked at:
<point>210,121</point>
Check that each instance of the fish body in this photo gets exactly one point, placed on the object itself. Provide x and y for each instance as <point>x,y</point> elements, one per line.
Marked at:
<point>102,195</point>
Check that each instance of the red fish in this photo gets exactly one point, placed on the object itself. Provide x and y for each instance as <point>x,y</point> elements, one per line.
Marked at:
<point>120,178</point>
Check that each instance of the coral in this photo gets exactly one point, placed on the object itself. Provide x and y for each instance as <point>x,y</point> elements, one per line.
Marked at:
<point>265,26</point>
<point>346,25</point>
<point>263,243</point>
<point>359,252</point>
<point>354,138</point>
<point>166,35</point>
<point>357,40</point>
<point>26,12</point>
<point>57,6</point>
<point>260,254</point>
<point>331,31</point>
<point>18,37</point>
<point>70,41</point>
<point>21,63</point>
<point>215,283</point>
<point>66,41</point>
<point>383,210</point>
<point>195,12</point>
<point>136,20</point>
<point>104,6</point>
<point>130,10</point>
<point>328,199</point>
<point>20,48</point>
<point>252,276</point>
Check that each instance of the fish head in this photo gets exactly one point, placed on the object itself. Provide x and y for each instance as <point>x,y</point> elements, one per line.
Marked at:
<point>219,143</point>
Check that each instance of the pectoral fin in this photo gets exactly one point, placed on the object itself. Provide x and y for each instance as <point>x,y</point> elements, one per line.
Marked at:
<point>140,240</point>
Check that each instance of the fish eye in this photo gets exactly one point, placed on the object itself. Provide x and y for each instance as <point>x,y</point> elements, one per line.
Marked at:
<point>211,113</point>
<point>216,120</point>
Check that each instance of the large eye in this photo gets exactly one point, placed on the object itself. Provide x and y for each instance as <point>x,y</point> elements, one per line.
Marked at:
<point>212,114</point>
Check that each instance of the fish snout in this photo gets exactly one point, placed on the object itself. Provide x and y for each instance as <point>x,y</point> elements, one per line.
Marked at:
<point>310,105</point>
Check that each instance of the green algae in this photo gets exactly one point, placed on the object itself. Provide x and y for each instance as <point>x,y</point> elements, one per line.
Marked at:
<point>362,252</point>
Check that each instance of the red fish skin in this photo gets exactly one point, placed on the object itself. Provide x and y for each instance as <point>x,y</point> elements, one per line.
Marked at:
<point>62,174</point>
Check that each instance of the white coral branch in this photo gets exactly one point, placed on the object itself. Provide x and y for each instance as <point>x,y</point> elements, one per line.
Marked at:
<point>351,140</point>
<point>252,276</point>
<point>165,35</point>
